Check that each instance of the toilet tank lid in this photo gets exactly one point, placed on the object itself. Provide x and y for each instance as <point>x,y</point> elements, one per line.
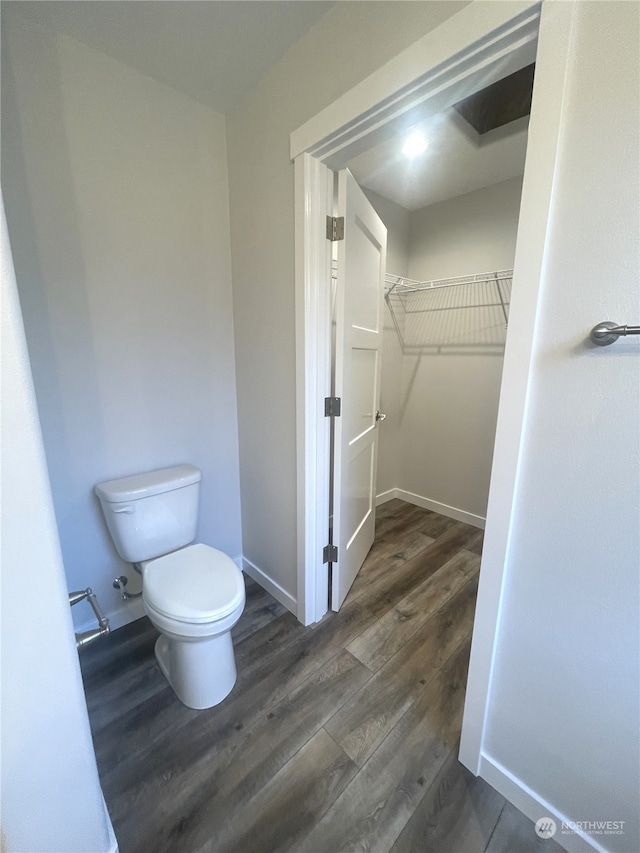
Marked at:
<point>151,483</point>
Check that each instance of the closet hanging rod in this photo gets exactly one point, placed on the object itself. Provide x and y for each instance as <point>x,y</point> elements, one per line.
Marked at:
<point>402,284</point>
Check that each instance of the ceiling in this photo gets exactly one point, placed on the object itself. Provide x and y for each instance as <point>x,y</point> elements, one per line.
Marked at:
<point>214,51</point>
<point>457,160</point>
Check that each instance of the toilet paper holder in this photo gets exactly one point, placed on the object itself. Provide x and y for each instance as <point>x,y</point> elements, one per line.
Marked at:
<point>86,637</point>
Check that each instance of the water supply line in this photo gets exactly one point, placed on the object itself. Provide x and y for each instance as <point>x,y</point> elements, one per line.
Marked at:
<point>121,583</point>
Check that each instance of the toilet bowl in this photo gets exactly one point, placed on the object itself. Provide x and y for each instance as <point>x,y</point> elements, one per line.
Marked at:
<point>194,597</point>
<point>192,593</point>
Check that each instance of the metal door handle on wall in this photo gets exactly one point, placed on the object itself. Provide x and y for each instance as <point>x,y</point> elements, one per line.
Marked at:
<point>380,416</point>
<point>608,333</point>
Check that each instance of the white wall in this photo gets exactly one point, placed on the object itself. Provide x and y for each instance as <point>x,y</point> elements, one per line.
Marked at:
<point>450,394</point>
<point>350,42</point>
<point>397,220</point>
<point>117,203</point>
<point>51,797</point>
<point>564,716</point>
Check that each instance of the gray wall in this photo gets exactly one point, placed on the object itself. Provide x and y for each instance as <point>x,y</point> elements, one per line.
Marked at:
<point>450,394</point>
<point>564,717</point>
<point>349,43</point>
<point>51,797</point>
<point>437,443</point>
<point>467,234</point>
<point>117,204</point>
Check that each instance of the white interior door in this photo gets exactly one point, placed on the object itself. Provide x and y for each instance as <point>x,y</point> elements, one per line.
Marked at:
<point>359,329</point>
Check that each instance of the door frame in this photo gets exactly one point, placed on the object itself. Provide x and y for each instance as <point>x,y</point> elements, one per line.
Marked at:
<point>480,44</point>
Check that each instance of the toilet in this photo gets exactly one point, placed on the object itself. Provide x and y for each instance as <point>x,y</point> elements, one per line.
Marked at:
<point>192,593</point>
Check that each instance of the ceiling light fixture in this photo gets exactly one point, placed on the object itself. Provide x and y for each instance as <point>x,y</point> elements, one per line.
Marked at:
<point>414,145</point>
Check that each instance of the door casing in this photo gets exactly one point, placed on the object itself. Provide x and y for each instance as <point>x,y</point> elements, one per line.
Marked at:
<point>475,47</point>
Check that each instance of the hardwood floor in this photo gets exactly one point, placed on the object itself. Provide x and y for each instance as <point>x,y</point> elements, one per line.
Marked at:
<point>340,737</point>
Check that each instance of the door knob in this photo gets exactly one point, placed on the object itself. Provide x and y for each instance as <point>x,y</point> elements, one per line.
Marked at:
<point>380,416</point>
<point>608,333</point>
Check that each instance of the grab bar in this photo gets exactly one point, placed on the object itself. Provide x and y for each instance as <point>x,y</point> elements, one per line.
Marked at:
<point>86,637</point>
<point>608,333</point>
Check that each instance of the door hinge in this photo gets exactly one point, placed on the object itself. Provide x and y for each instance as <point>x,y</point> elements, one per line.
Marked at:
<point>332,407</point>
<point>335,228</point>
<point>330,554</point>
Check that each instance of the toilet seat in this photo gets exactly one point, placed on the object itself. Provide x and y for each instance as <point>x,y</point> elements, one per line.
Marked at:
<point>197,584</point>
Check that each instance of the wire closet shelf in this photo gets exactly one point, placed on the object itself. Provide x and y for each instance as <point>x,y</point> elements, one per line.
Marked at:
<point>470,311</point>
<point>401,285</point>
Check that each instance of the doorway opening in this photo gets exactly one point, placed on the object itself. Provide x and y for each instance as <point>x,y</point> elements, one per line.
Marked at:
<point>448,261</point>
<point>451,213</point>
<point>430,406</point>
<point>418,411</point>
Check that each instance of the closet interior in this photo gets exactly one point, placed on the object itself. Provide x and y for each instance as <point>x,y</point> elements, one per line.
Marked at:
<point>450,258</point>
<point>449,194</point>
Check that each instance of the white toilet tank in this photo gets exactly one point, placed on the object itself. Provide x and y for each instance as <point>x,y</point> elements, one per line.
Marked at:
<point>151,514</point>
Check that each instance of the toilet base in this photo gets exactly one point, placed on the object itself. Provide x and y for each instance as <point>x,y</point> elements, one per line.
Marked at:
<point>201,673</point>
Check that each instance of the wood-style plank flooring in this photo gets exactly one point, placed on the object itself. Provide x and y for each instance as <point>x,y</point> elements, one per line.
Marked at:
<point>339,737</point>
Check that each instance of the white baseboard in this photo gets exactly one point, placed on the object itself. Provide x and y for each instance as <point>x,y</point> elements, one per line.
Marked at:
<point>436,506</point>
<point>270,585</point>
<point>383,497</point>
<point>535,807</point>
